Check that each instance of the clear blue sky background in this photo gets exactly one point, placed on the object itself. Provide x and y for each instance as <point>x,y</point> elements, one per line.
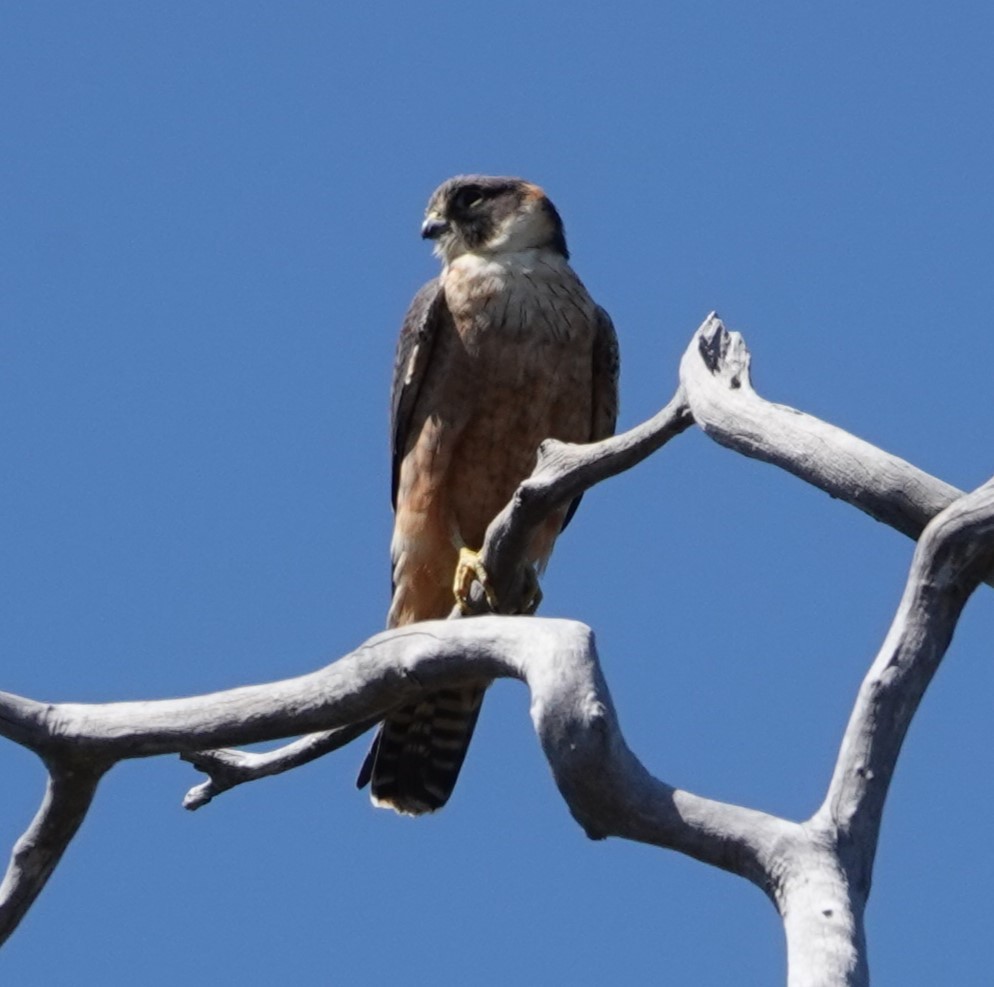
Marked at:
<point>208,237</point>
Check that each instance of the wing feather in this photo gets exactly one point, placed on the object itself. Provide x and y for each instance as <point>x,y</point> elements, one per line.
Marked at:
<point>606,368</point>
<point>417,337</point>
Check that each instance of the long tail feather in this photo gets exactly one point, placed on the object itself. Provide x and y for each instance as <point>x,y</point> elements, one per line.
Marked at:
<point>415,759</point>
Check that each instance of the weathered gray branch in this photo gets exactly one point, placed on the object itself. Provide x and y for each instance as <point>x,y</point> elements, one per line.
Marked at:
<point>817,872</point>
<point>953,555</point>
<point>68,795</point>
<point>562,473</point>
<point>716,393</point>
<point>227,768</point>
<point>811,870</point>
<point>823,894</point>
<point>715,377</point>
<point>608,791</point>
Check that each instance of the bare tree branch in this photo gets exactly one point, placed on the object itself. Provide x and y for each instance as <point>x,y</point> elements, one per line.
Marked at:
<point>227,768</point>
<point>954,553</point>
<point>805,868</point>
<point>817,872</point>
<point>563,472</point>
<point>715,376</point>
<point>68,795</point>
<point>608,790</point>
<point>824,895</point>
<point>716,393</point>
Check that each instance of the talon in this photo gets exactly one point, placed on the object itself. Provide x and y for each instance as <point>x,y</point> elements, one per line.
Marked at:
<point>469,570</point>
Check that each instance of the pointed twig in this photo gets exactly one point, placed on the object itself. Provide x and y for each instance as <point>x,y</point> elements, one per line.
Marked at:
<point>227,768</point>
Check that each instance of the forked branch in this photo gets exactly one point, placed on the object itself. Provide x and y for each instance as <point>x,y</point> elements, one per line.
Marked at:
<point>816,872</point>
<point>822,891</point>
<point>716,393</point>
<point>954,554</point>
<point>571,709</point>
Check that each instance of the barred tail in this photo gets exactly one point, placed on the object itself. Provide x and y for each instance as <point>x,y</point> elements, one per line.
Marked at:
<point>415,759</point>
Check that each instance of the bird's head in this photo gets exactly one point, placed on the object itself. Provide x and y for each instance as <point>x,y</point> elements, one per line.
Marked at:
<point>480,214</point>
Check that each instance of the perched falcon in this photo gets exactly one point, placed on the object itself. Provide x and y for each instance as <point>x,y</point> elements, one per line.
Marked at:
<point>504,349</point>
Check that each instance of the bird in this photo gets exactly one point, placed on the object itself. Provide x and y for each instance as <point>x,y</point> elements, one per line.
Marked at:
<point>505,348</point>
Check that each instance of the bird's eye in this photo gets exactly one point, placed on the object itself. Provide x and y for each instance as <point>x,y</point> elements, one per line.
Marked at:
<point>469,198</point>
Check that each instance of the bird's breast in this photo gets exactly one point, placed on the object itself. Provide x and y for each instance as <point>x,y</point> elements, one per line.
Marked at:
<point>530,295</point>
<point>526,329</point>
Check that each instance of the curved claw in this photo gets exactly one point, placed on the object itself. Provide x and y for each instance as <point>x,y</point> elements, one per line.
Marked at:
<point>469,570</point>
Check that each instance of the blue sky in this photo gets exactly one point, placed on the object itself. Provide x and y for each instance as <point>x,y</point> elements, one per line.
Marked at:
<point>209,235</point>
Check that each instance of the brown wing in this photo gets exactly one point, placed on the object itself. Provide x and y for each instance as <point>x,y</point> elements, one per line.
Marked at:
<point>607,367</point>
<point>606,370</point>
<point>414,345</point>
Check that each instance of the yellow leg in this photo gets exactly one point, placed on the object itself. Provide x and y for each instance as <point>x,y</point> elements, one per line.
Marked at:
<point>469,570</point>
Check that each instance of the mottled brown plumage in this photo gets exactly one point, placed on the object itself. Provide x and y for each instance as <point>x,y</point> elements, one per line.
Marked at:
<point>504,349</point>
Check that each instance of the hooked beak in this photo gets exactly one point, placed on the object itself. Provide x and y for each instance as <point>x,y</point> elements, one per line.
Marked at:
<point>434,226</point>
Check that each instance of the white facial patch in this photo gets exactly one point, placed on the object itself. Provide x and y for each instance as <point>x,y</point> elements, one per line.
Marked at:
<point>524,229</point>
